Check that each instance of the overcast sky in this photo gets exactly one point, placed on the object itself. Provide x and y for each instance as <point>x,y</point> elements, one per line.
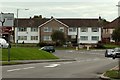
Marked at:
<point>107,9</point>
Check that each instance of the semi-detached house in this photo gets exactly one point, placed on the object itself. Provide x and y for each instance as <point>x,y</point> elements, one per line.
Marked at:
<point>78,30</point>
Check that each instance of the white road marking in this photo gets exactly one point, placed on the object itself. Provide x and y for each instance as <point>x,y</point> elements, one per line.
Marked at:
<point>13,70</point>
<point>28,67</point>
<point>19,69</point>
<point>52,65</point>
<point>67,62</point>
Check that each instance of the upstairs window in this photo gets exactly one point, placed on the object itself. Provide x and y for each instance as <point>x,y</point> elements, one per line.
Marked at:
<point>22,29</point>
<point>34,29</point>
<point>72,29</point>
<point>95,29</point>
<point>47,29</point>
<point>84,29</point>
<point>61,29</point>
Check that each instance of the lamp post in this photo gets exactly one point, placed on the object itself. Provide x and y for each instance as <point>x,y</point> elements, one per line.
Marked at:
<point>17,26</point>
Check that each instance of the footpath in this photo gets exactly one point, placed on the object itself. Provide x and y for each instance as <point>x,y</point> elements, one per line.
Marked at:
<point>37,61</point>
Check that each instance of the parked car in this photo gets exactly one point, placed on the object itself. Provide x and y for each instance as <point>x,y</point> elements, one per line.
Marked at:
<point>116,53</point>
<point>109,53</point>
<point>3,43</point>
<point>48,48</point>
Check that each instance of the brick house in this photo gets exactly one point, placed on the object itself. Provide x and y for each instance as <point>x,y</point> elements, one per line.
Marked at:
<point>50,26</point>
<point>108,30</point>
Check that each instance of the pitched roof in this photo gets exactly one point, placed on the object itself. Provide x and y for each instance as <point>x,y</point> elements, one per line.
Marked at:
<point>114,23</point>
<point>71,22</point>
<point>80,22</point>
<point>27,22</point>
<point>51,20</point>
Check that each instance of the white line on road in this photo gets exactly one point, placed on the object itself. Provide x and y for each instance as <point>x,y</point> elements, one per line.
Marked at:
<point>28,67</point>
<point>67,62</point>
<point>19,69</point>
<point>13,70</point>
<point>52,65</point>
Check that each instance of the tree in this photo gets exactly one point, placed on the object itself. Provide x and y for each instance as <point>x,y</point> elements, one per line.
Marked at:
<point>58,37</point>
<point>116,34</point>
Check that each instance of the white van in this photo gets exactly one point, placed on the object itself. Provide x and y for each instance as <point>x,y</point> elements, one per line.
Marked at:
<point>3,43</point>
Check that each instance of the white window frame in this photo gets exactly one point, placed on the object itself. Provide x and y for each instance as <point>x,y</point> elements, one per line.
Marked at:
<point>84,38</point>
<point>61,29</point>
<point>47,38</point>
<point>84,29</point>
<point>72,29</point>
<point>47,29</point>
<point>95,38</point>
<point>22,29</point>
<point>95,29</point>
<point>33,29</point>
<point>22,37</point>
<point>34,37</point>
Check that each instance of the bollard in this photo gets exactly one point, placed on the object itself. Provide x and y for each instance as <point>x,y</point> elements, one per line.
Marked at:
<point>76,48</point>
<point>88,47</point>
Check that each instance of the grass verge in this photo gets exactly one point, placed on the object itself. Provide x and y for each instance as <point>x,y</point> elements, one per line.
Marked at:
<point>26,54</point>
<point>115,74</point>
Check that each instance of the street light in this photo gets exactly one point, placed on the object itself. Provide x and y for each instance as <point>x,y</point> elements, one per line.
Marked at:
<point>17,26</point>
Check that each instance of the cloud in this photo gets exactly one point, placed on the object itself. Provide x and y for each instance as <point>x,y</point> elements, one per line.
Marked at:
<point>107,10</point>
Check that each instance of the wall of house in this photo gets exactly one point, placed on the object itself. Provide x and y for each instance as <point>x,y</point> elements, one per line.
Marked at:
<point>54,25</point>
<point>27,33</point>
<point>89,33</point>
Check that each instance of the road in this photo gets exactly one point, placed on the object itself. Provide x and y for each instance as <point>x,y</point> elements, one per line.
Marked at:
<point>88,64</point>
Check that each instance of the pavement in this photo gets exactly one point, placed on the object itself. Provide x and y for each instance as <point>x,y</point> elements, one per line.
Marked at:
<point>38,61</point>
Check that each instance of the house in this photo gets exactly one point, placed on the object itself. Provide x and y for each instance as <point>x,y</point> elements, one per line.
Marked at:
<point>78,30</point>
<point>47,28</point>
<point>108,30</point>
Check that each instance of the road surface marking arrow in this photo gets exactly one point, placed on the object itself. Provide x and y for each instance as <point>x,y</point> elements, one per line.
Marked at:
<point>52,65</point>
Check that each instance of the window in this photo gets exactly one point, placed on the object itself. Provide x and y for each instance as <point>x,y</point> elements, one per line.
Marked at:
<point>61,29</point>
<point>84,29</point>
<point>95,38</point>
<point>95,29</point>
<point>72,29</point>
<point>47,29</point>
<point>22,29</point>
<point>34,29</point>
<point>34,37</point>
<point>83,37</point>
<point>22,37</point>
<point>47,38</point>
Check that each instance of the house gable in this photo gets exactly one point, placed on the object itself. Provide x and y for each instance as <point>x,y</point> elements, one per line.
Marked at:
<point>53,19</point>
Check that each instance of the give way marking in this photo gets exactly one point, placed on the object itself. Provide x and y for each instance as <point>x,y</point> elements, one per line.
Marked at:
<point>52,65</point>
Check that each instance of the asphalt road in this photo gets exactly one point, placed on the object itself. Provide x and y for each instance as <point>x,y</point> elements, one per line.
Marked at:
<point>88,64</point>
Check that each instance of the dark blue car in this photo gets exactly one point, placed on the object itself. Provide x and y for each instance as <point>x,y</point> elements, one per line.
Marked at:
<point>48,48</point>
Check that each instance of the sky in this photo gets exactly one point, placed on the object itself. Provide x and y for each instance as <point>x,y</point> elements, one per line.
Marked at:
<point>107,9</point>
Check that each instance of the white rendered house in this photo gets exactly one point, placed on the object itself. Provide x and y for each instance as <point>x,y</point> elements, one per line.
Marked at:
<point>27,34</point>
